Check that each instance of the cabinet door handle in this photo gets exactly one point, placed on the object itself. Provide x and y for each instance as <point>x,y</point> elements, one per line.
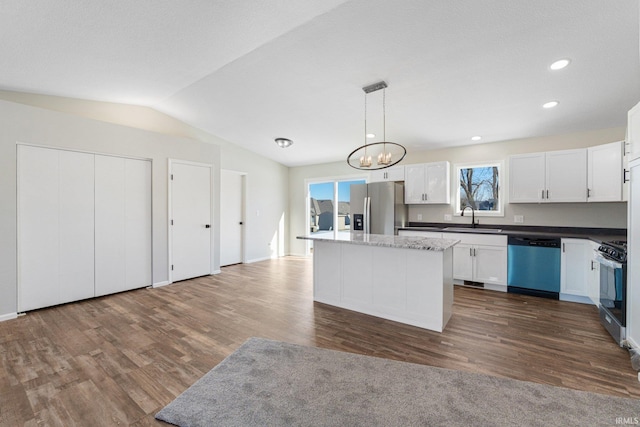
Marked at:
<point>542,196</point>
<point>547,194</point>
<point>563,248</point>
<point>624,176</point>
<point>470,251</point>
<point>588,193</point>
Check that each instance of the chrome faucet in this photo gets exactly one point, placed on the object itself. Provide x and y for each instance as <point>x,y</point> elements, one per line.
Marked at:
<point>473,215</point>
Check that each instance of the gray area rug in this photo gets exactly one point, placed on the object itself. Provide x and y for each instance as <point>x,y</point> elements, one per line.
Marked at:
<point>270,383</point>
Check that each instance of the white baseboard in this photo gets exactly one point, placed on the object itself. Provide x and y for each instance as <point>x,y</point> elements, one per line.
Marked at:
<point>492,287</point>
<point>295,254</point>
<point>160,284</point>
<point>257,260</point>
<point>575,298</point>
<point>8,316</point>
<point>216,272</point>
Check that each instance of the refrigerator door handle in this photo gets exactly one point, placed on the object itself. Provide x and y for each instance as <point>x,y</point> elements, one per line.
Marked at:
<point>367,215</point>
<point>364,215</point>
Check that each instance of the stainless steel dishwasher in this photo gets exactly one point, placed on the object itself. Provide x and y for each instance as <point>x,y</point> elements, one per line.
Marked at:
<point>533,266</point>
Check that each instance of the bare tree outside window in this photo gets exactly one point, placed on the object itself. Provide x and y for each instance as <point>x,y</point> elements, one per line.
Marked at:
<point>480,188</point>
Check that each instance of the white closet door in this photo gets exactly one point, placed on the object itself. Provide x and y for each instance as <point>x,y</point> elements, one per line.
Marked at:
<point>76,226</point>
<point>138,223</point>
<point>55,227</point>
<point>110,225</point>
<point>38,232</point>
<point>122,224</point>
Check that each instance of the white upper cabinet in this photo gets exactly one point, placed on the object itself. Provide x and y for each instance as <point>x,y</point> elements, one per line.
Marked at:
<point>427,183</point>
<point>395,173</point>
<point>555,176</point>
<point>526,178</point>
<point>605,172</point>
<point>566,173</point>
<point>633,132</point>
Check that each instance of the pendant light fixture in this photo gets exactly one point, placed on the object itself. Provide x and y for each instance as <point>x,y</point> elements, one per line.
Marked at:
<point>386,153</point>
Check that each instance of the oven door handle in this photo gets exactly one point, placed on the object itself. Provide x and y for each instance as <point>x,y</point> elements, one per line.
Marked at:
<point>605,261</point>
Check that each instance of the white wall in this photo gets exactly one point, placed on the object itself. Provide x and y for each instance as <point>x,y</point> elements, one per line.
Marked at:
<point>267,181</point>
<point>98,127</point>
<point>607,215</point>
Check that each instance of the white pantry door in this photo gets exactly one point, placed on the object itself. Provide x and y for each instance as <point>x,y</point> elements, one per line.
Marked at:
<point>231,217</point>
<point>190,220</point>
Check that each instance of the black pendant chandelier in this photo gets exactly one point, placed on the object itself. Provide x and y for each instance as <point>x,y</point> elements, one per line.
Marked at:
<point>386,153</point>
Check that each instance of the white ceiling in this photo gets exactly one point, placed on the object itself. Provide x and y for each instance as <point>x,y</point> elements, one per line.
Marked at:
<point>253,70</point>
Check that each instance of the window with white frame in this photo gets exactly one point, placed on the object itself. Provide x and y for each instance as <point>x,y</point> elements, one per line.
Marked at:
<point>480,187</point>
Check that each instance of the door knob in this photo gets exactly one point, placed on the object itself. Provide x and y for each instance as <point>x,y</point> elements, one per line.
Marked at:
<point>207,226</point>
<point>240,223</point>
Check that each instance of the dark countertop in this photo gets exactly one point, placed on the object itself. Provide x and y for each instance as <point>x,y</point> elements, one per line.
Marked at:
<point>598,235</point>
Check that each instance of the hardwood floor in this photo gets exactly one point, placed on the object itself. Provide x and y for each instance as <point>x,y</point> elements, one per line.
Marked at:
<point>117,360</point>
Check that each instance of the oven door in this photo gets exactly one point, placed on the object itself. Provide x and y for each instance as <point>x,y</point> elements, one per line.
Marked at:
<point>613,290</point>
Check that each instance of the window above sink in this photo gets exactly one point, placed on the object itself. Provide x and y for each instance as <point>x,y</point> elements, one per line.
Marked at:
<point>479,185</point>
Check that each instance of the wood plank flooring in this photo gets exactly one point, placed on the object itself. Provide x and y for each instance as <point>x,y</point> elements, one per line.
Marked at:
<point>117,360</point>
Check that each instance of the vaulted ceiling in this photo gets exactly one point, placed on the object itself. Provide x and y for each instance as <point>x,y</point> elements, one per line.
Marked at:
<point>249,71</point>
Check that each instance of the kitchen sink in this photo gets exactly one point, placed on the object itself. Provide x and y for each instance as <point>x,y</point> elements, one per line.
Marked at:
<point>473,230</point>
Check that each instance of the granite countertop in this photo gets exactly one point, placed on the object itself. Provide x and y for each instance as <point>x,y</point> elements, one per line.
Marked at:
<point>403,242</point>
<point>597,235</point>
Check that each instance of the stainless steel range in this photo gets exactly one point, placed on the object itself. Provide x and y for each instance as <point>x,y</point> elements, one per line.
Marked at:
<point>612,257</point>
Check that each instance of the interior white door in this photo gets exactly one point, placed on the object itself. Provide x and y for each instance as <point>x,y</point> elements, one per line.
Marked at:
<point>55,227</point>
<point>231,217</point>
<point>190,220</point>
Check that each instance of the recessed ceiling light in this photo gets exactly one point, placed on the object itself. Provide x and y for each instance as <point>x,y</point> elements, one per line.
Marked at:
<point>284,142</point>
<point>559,64</point>
<point>550,104</point>
<point>371,135</point>
<point>476,138</point>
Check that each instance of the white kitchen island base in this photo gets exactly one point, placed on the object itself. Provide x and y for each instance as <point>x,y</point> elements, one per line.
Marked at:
<point>411,284</point>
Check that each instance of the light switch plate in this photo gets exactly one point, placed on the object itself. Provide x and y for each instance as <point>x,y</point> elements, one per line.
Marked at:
<point>518,218</point>
<point>447,217</point>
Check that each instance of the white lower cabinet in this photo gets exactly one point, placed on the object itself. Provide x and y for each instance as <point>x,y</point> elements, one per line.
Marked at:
<point>480,258</point>
<point>575,271</point>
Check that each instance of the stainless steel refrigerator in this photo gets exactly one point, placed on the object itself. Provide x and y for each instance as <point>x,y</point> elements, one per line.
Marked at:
<point>378,208</point>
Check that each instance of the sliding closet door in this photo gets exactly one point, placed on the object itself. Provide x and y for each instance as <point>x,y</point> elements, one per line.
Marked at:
<point>138,224</point>
<point>76,226</point>
<point>55,227</point>
<point>122,224</point>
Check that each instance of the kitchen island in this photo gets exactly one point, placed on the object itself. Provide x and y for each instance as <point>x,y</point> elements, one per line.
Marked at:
<point>401,278</point>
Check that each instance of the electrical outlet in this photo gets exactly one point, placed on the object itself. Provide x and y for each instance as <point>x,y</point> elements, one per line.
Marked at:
<point>518,218</point>
<point>448,217</point>
<point>419,217</point>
